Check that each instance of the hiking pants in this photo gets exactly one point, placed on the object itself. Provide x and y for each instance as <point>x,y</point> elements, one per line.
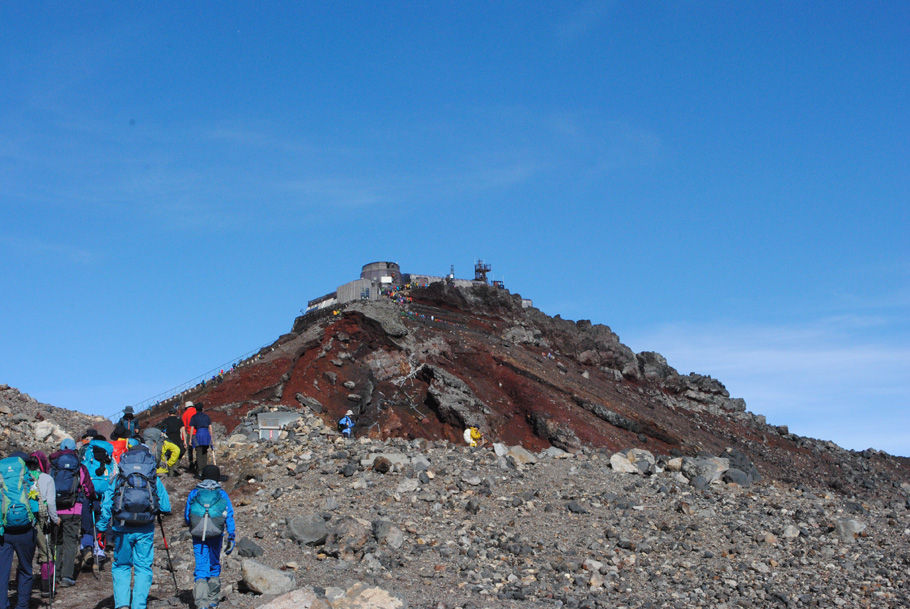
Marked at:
<point>207,587</point>
<point>68,544</point>
<point>23,544</point>
<point>208,557</point>
<point>44,539</point>
<point>202,458</point>
<point>132,552</point>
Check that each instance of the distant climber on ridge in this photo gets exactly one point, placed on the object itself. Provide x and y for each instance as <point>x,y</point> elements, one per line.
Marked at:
<point>346,424</point>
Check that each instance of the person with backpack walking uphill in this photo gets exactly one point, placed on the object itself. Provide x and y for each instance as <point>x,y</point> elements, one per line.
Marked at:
<point>172,426</point>
<point>210,515</point>
<point>73,488</point>
<point>186,435</point>
<point>201,426</point>
<point>129,509</point>
<point>43,502</point>
<point>126,427</point>
<point>97,457</point>
<point>17,529</point>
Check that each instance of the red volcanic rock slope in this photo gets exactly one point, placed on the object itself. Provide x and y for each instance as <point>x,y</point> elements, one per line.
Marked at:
<point>439,358</point>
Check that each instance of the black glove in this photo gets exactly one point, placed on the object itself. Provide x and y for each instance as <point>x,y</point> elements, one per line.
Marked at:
<point>230,545</point>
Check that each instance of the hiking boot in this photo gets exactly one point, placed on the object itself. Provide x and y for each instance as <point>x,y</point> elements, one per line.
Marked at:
<point>85,560</point>
<point>45,588</point>
<point>201,594</point>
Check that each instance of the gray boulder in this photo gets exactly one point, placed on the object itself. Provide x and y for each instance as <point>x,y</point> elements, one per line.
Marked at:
<point>264,580</point>
<point>847,529</point>
<point>302,598</point>
<point>709,468</point>
<point>387,533</point>
<point>309,530</point>
<point>248,548</point>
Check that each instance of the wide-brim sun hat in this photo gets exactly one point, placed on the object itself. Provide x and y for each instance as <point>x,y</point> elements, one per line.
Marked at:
<point>349,413</point>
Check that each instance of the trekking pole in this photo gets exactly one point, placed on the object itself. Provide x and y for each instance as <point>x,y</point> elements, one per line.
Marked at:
<point>97,567</point>
<point>47,540</point>
<point>167,551</point>
<point>54,566</point>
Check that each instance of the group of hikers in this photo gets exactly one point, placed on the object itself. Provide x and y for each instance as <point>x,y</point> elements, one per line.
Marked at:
<point>71,510</point>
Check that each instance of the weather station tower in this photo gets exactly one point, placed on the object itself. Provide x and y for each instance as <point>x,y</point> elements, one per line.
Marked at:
<point>480,271</point>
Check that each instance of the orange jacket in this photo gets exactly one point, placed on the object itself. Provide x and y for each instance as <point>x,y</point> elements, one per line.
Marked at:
<point>188,431</point>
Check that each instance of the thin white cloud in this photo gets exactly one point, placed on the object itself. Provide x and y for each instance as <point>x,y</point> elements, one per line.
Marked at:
<point>31,248</point>
<point>584,19</point>
<point>823,379</point>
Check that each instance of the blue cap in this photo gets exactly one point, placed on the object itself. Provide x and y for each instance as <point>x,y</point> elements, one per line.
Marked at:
<point>68,444</point>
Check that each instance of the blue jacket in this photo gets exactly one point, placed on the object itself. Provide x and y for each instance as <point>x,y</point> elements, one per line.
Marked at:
<point>229,526</point>
<point>107,501</point>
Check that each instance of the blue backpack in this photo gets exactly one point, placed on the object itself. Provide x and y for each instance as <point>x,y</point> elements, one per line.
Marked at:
<point>135,500</point>
<point>15,481</point>
<point>208,513</point>
<point>98,460</point>
<point>65,472</point>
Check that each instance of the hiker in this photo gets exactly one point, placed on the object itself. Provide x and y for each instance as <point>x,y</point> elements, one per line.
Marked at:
<point>17,529</point>
<point>97,457</point>
<point>472,436</point>
<point>126,427</point>
<point>201,424</point>
<point>43,502</point>
<point>165,451</point>
<point>72,485</point>
<point>186,434</point>
<point>210,515</point>
<point>128,510</point>
<point>172,426</point>
<point>346,424</point>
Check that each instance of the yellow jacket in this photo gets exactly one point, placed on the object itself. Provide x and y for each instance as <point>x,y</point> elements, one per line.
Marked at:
<point>170,453</point>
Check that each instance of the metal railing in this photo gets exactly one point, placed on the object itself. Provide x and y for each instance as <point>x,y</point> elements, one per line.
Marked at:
<point>184,388</point>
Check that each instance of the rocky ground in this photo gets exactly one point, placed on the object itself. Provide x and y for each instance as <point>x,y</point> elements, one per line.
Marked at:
<point>394,523</point>
<point>27,424</point>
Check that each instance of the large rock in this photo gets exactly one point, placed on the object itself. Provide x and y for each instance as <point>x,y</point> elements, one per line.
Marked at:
<point>621,464</point>
<point>396,460</point>
<point>309,530</point>
<point>520,456</point>
<point>348,536</point>
<point>452,399</point>
<point>362,596</point>
<point>709,468</point>
<point>248,548</point>
<point>264,580</point>
<point>642,459</point>
<point>302,598</point>
<point>558,434</point>
<point>848,528</point>
<point>387,533</point>
<point>49,432</point>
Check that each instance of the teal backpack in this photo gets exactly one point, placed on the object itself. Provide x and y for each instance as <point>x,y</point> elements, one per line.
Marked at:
<point>208,512</point>
<point>98,460</point>
<point>15,482</point>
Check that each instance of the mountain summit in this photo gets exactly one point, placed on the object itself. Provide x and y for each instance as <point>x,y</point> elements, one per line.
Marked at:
<point>426,360</point>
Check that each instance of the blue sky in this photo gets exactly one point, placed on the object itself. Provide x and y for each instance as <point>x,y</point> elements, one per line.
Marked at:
<point>724,183</point>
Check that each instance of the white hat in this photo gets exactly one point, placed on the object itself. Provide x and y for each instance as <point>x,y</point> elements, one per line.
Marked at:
<point>188,404</point>
<point>349,413</point>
